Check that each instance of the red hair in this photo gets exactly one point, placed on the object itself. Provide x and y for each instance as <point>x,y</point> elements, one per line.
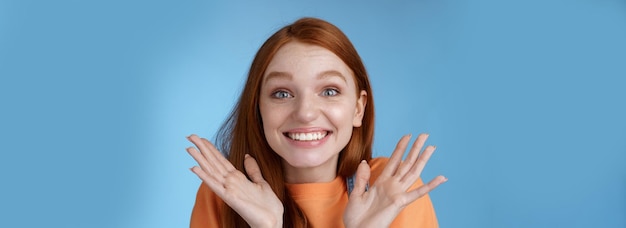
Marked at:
<point>242,133</point>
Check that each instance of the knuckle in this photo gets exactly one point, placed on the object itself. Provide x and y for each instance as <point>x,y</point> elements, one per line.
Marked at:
<point>399,200</point>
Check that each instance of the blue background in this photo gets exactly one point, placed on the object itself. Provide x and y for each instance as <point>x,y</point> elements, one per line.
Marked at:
<point>524,99</point>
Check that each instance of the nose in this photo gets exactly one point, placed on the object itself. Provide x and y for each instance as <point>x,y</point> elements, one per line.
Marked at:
<point>307,109</point>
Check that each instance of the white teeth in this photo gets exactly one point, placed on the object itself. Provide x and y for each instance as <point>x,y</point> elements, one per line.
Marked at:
<point>310,136</point>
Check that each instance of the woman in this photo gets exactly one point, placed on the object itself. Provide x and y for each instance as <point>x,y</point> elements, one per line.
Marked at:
<point>299,144</point>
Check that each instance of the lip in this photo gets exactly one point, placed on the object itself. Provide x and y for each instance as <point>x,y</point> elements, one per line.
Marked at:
<point>306,130</point>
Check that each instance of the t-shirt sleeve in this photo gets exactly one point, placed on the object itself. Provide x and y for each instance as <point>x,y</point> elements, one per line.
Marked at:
<point>206,209</point>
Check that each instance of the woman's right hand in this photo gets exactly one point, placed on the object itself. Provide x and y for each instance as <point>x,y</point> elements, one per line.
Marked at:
<point>253,200</point>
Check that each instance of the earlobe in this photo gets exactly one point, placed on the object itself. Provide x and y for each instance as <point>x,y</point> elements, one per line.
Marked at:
<point>361,102</point>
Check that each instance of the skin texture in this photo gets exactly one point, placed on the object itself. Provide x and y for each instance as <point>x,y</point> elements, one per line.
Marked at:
<point>306,89</point>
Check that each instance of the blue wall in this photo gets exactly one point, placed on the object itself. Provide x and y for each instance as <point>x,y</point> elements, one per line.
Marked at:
<point>525,101</point>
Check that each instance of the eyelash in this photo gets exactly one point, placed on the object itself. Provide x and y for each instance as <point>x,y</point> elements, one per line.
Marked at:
<point>336,92</point>
<point>282,94</point>
<point>276,94</point>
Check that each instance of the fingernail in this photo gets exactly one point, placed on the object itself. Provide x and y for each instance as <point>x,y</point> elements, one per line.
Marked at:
<point>363,161</point>
<point>246,156</point>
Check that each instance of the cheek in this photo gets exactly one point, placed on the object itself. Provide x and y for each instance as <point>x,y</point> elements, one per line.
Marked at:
<point>340,114</point>
<point>266,118</point>
<point>271,116</point>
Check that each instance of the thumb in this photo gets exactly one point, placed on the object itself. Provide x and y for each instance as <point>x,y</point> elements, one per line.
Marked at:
<point>362,179</point>
<point>252,169</point>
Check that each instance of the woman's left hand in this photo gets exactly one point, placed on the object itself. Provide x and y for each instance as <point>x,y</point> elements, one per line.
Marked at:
<point>384,200</point>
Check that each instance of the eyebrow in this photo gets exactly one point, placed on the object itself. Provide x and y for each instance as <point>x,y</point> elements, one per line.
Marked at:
<point>288,76</point>
<point>275,74</point>
<point>330,73</point>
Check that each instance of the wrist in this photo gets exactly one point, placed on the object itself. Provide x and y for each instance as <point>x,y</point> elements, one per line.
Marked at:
<point>269,223</point>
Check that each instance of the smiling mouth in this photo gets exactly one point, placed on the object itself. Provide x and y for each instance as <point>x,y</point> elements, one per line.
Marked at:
<point>308,136</point>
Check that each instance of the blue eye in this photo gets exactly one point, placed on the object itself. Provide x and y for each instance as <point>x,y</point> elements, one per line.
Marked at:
<point>281,94</point>
<point>330,92</point>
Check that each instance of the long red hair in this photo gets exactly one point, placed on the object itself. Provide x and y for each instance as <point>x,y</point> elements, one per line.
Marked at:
<point>242,133</point>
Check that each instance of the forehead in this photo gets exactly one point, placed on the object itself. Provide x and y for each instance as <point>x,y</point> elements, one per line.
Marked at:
<point>298,58</point>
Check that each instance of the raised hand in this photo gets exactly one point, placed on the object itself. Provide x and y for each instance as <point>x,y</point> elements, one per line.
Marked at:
<point>253,200</point>
<point>384,200</point>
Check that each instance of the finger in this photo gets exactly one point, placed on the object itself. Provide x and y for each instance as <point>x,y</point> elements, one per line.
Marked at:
<point>219,156</point>
<point>209,154</point>
<point>362,179</point>
<point>252,169</point>
<point>214,185</point>
<point>200,159</point>
<point>396,156</point>
<point>413,155</point>
<point>413,174</point>
<point>201,173</point>
<point>425,189</point>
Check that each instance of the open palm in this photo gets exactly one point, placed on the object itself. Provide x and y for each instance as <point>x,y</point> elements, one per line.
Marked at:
<point>252,199</point>
<point>384,200</point>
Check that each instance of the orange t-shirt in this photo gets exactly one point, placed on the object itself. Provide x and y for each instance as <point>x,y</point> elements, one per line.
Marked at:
<point>322,203</point>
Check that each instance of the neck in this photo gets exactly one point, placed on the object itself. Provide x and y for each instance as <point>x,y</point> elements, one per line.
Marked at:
<point>324,173</point>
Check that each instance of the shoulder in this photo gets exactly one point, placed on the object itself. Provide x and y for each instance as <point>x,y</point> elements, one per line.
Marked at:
<point>206,210</point>
<point>377,165</point>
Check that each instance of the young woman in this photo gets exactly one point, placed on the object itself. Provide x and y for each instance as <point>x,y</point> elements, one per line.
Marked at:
<point>298,145</point>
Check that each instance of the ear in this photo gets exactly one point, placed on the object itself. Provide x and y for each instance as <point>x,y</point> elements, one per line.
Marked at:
<point>361,102</point>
